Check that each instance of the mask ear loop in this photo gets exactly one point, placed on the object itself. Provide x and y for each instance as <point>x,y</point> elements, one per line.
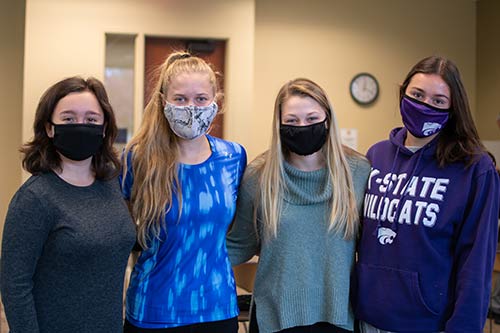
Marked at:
<point>51,130</point>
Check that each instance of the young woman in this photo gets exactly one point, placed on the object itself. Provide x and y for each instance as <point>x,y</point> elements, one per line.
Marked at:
<point>298,209</point>
<point>68,233</point>
<point>430,223</point>
<point>182,186</point>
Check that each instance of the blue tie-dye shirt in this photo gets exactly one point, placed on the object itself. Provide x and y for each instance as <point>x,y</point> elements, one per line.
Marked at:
<point>186,277</point>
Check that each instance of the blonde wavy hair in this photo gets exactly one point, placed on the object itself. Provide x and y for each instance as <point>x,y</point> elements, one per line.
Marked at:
<point>344,215</point>
<point>155,151</point>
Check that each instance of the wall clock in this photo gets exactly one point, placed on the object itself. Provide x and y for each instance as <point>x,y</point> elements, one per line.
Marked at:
<point>364,88</point>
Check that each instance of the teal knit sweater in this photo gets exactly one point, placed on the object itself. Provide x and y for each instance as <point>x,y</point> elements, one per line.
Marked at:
<point>303,274</point>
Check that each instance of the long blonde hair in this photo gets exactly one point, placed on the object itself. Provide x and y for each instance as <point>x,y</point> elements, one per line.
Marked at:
<point>344,213</point>
<point>155,152</point>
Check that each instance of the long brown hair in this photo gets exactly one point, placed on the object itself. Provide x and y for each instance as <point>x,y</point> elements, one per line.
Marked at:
<point>459,139</point>
<point>40,155</point>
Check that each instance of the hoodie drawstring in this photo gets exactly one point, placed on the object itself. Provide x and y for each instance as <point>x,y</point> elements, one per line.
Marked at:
<point>394,225</point>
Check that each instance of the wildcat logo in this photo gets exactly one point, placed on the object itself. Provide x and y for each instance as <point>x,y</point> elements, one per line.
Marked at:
<point>386,235</point>
<point>430,128</point>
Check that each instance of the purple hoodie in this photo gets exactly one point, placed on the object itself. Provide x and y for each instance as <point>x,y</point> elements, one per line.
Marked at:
<point>427,245</point>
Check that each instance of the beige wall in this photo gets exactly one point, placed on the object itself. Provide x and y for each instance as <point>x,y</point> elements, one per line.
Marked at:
<point>488,68</point>
<point>65,38</point>
<point>270,42</point>
<point>11,86</point>
<point>330,41</point>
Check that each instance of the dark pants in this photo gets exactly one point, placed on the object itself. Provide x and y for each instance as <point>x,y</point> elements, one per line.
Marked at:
<point>316,328</point>
<point>222,326</point>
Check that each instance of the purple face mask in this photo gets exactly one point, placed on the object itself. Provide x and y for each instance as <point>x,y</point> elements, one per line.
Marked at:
<point>421,119</point>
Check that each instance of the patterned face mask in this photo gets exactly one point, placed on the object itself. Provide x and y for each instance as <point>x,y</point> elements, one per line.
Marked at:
<point>190,122</point>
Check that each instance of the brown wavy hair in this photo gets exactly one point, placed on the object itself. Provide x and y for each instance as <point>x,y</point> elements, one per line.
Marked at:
<point>41,156</point>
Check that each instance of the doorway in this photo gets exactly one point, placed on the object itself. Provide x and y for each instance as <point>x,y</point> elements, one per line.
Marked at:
<point>213,51</point>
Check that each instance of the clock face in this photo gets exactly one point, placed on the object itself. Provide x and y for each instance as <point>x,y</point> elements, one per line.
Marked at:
<point>364,88</point>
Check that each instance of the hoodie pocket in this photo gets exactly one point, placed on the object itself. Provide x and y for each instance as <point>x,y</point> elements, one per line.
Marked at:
<point>393,292</point>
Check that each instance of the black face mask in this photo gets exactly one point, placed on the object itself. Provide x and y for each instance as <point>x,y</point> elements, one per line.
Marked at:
<point>304,140</point>
<point>78,141</point>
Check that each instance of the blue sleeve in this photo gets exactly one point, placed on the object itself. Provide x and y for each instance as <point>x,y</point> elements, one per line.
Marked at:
<point>242,165</point>
<point>126,186</point>
<point>475,254</point>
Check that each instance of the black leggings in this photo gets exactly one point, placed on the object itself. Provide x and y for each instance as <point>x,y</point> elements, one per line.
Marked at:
<point>316,328</point>
<point>221,326</point>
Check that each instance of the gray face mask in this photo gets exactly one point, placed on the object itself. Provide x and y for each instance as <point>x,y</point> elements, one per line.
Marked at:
<point>190,122</point>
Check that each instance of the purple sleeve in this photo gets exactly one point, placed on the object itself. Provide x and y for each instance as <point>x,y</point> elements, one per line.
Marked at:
<point>475,254</point>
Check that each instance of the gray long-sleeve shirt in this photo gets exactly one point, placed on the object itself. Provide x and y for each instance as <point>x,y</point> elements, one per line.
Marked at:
<point>64,253</point>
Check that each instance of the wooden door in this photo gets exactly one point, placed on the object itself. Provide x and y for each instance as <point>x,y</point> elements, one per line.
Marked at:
<point>157,49</point>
